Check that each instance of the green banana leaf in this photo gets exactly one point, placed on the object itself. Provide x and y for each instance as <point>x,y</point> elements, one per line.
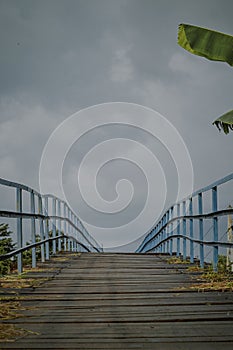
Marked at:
<point>207,43</point>
<point>214,46</point>
<point>225,122</point>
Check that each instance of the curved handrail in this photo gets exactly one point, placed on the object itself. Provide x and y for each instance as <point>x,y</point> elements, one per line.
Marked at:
<point>14,214</point>
<point>158,239</point>
<point>188,217</point>
<point>33,245</point>
<point>209,243</point>
<point>71,223</point>
<point>64,203</point>
<point>18,185</point>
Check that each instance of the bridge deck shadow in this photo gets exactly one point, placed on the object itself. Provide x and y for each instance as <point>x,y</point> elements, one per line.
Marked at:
<point>120,301</point>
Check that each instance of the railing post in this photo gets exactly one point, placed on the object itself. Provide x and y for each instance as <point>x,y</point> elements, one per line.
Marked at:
<point>76,222</point>
<point>158,239</point>
<point>54,225</point>
<point>171,240</point>
<point>191,230</point>
<point>164,232</point>
<point>64,225</point>
<point>215,227</point>
<point>201,235</point>
<point>33,228</point>
<point>178,231</point>
<point>69,230</point>
<point>152,242</point>
<point>46,201</point>
<point>59,224</point>
<point>184,231</point>
<point>71,233</point>
<point>19,229</point>
<point>162,235</point>
<point>40,209</point>
<point>230,240</point>
<point>78,234</point>
<point>74,232</point>
<point>167,231</point>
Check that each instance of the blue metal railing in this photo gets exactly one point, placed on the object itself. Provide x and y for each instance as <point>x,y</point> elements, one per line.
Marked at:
<point>172,230</point>
<point>51,214</point>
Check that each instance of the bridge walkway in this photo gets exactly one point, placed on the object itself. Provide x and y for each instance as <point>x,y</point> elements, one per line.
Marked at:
<point>120,301</point>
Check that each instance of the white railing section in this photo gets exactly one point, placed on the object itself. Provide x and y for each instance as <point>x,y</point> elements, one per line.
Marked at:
<point>51,220</point>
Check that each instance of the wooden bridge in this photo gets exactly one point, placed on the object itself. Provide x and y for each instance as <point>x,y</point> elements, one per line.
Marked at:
<point>121,301</point>
<point>83,298</point>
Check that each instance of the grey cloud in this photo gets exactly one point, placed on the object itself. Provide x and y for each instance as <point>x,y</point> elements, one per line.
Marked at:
<point>60,56</point>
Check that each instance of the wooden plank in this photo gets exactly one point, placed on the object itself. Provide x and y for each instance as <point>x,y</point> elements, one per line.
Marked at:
<point>123,301</point>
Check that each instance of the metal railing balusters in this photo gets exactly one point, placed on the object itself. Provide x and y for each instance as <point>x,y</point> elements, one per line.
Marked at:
<point>184,232</point>
<point>215,226</point>
<point>46,206</point>
<point>74,233</point>
<point>54,225</point>
<point>76,223</point>
<point>64,226</point>
<point>41,223</point>
<point>178,231</point>
<point>191,230</point>
<point>19,208</point>
<point>160,235</point>
<point>171,226</point>
<point>33,228</point>
<point>201,231</point>
<point>59,224</point>
<point>167,231</point>
<point>70,230</point>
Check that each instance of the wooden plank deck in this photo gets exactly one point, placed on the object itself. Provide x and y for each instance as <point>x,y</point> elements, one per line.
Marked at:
<point>123,301</point>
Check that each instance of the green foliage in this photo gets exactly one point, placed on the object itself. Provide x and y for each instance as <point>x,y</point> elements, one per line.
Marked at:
<point>222,267</point>
<point>225,122</point>
<point>27,254</point>
<point>207,43</point>
<point>177,260</point>
<point>6,246</point>
<point>214,46</point>
<point>222,264</point>
<point>220,280</point>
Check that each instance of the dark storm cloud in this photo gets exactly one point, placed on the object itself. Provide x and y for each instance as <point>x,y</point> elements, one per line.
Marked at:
<point>60,56</point>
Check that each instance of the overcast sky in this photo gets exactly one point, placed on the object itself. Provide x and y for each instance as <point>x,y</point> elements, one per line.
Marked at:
<point>58,57</point>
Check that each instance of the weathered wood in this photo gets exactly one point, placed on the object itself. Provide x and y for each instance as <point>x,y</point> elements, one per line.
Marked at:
<point>123,301</point>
